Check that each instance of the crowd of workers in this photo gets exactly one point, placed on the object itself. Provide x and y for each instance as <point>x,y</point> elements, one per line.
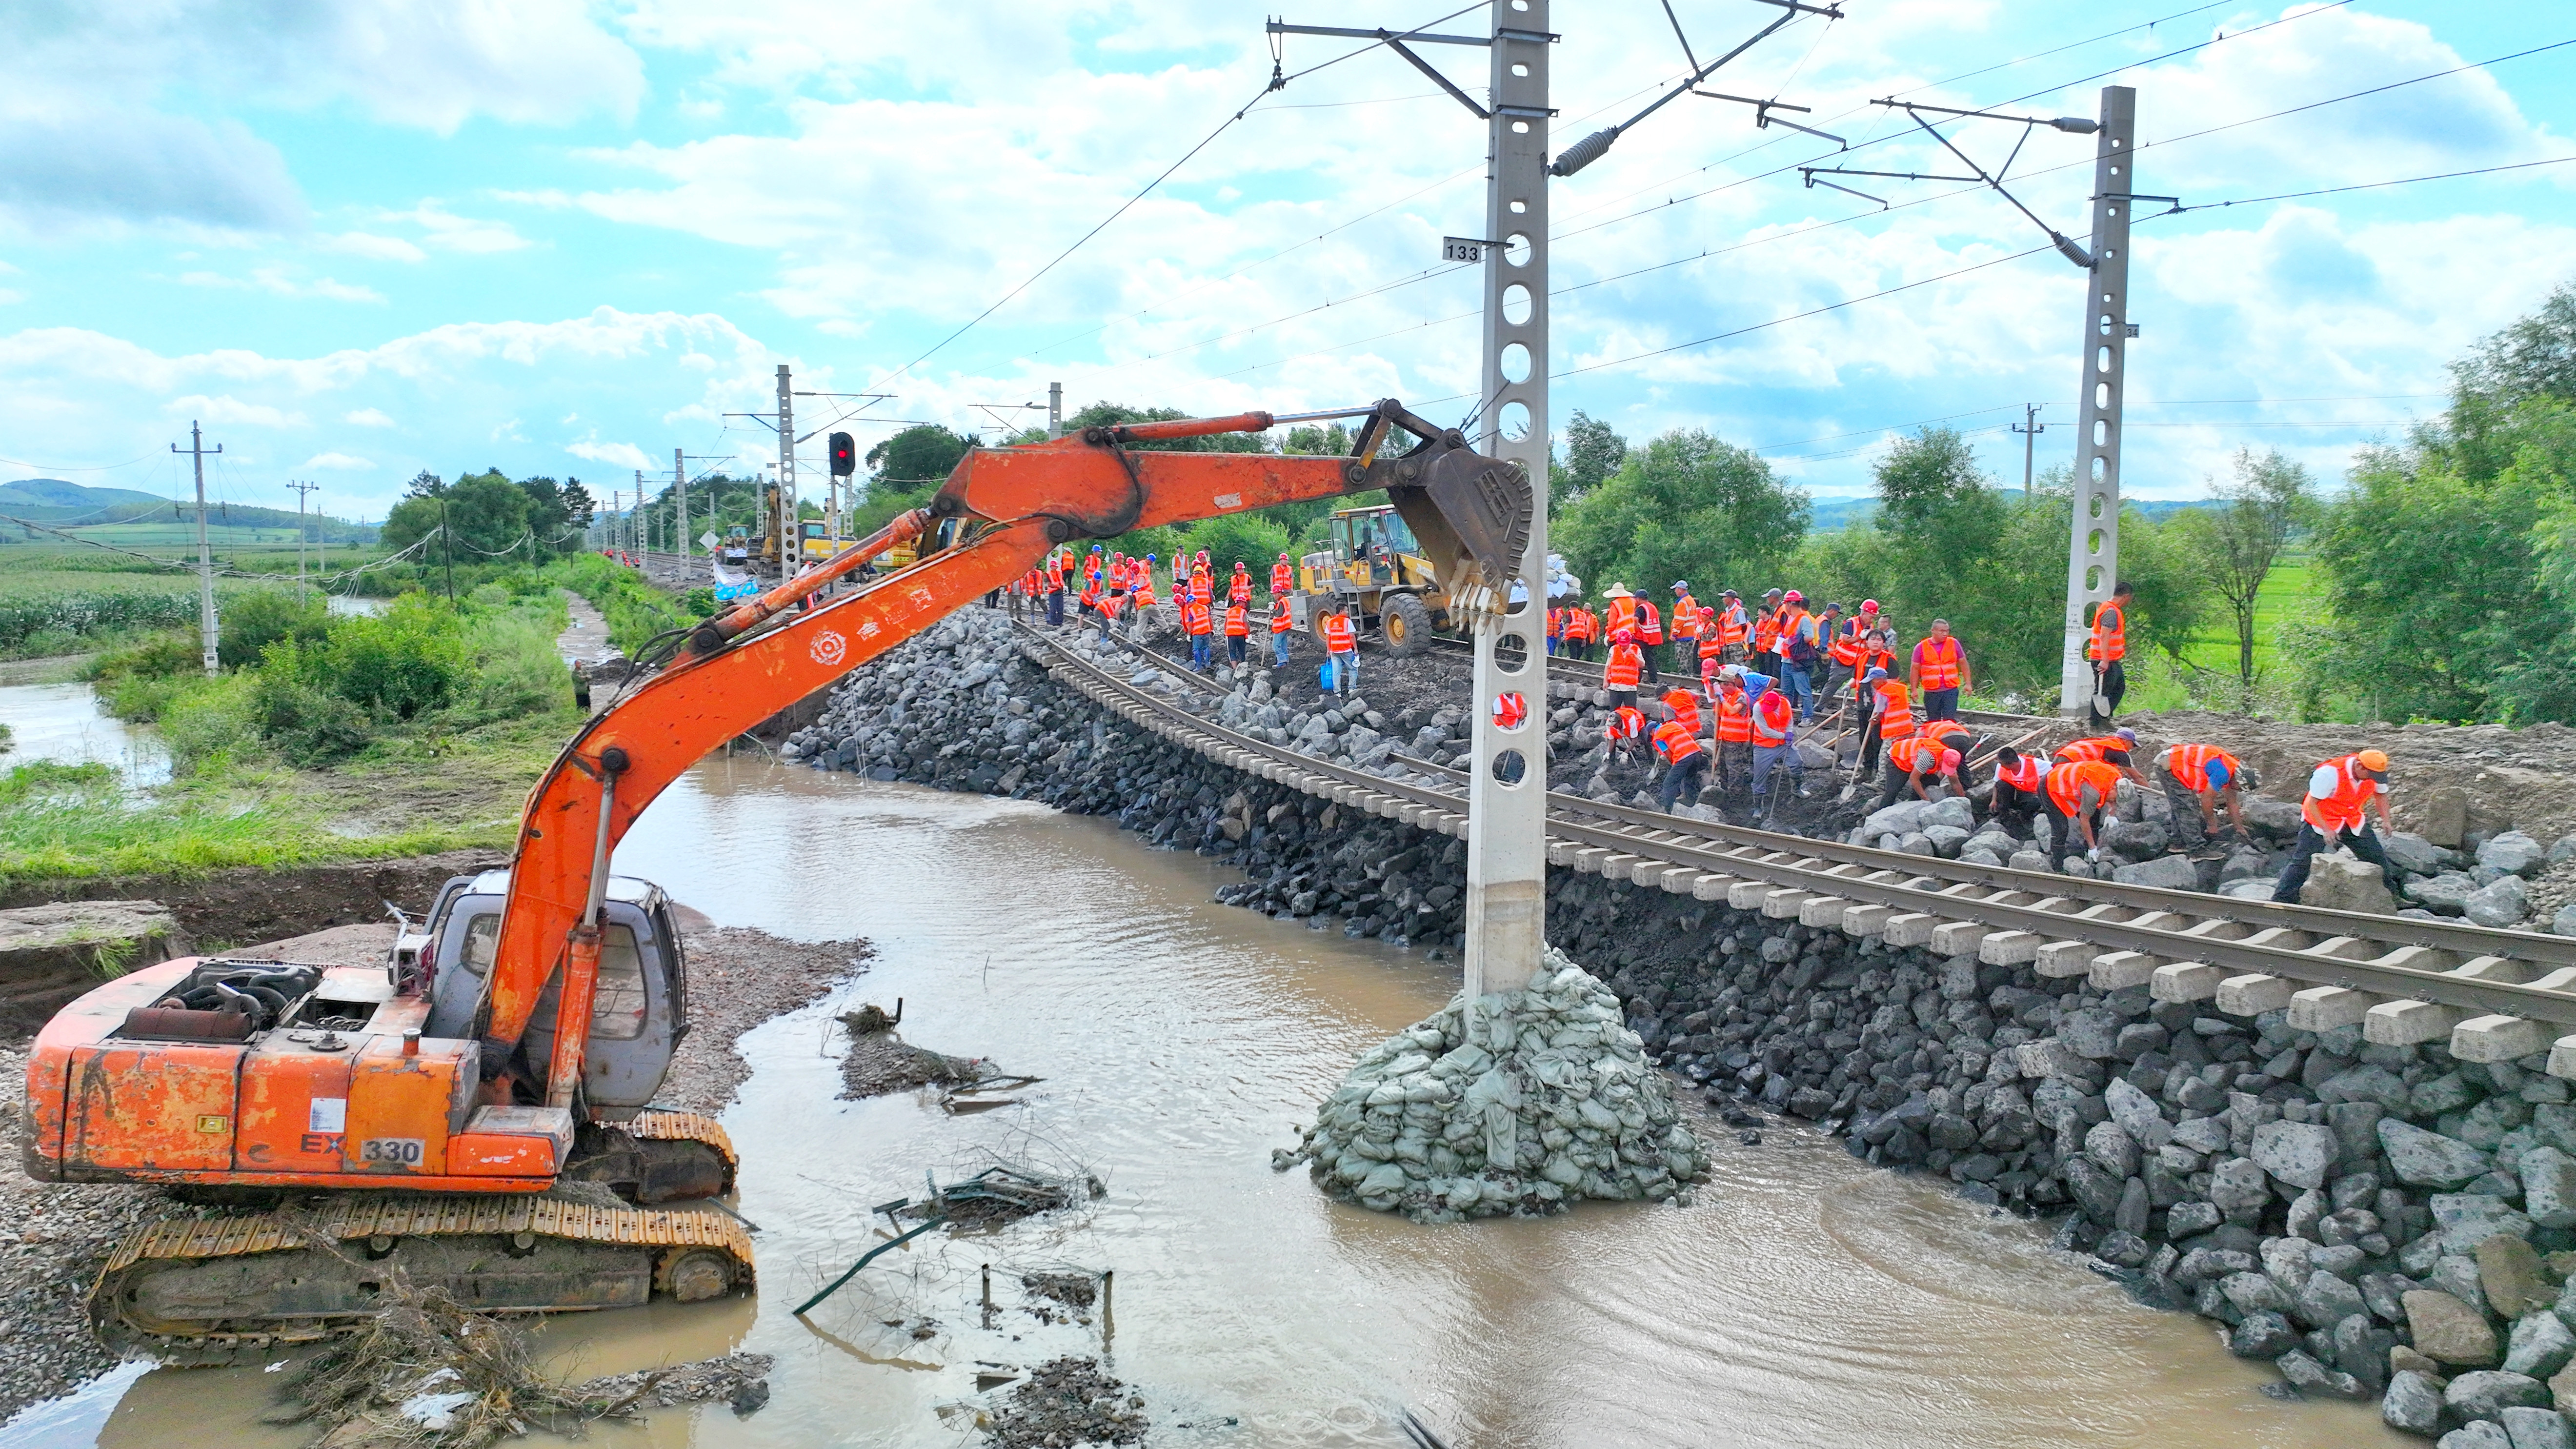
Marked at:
<point>1763,673</point>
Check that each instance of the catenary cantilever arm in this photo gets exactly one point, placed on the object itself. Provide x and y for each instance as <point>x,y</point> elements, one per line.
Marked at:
<point>1005,508</point>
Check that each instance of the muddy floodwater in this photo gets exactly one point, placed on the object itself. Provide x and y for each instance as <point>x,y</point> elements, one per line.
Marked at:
<point>1804,1300</point>
<point>63,723</point>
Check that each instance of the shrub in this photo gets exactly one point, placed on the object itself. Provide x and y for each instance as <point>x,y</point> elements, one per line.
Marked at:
<point>406,660</point>
<point>516,671</point>
<point>207,721</point>
<point>256,618</point>
<point>310,726</point>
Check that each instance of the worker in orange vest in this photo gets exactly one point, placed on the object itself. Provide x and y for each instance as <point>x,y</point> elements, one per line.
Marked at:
<point>1775,727</point>
<point>1144,596</point>
<point>2020,783</point>
<point>1113,597</point>
<point>2108,646</point>
<point>2197,779</point>
<point>1940,671</point>
<point>1891,716</point>
<point>1842,676</point>
<point>1280,624</point>
<point>1734,628</point>
<point>1238,628</point>
<point>2114,749</point>
<point>1555,629</point>
<point>1580,627</point>
<point>1916,763</point>
<point>1766,636</point>
<point>1734,727</point>
<point>1238,590</point>
<point>1199,622</point>
<point>1283,578</point>
<point>1055,591</point>
<point>1712,649</point>
<point>1650,638</point>
<point>1685,763</point>
<point>2339,790</point>
<point>1681,704</point>
<point>1686,624</point>
<point>1625,731</point>
<point>1341,649</point>
<point>2078,794</point>
<point>1619,676</point>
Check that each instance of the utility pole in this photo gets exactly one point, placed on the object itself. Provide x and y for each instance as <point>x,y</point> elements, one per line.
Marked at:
<point>302,490</point>
<point>791,542</point>
<point>447,547</point>
<point>2030,429</point>
<point>635,526</point>
<point>2093,551</point>
<point>680,491</point>
<point>1055,411</point>
<point>205,555</point>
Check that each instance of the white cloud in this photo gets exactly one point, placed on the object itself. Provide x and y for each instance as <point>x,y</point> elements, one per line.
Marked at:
<point>8,296</point>
<point>340,462</point>
<point>624,455</point>
<point>367,418</point>
<point>368,244</point>
<point>275,282</point>
<point>232,411</point>
<point>447,231</point>
<point>79,165</point>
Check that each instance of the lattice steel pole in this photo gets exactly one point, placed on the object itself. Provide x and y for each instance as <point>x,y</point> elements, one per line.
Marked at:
<point>1507,792</point>
<point>2093,552</point>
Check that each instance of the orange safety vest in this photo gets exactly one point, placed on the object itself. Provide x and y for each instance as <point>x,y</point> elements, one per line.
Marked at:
<point>1556,623</point>
<point>2110,635</point>
<point>1734,718</point>
<point>1238,620</point>
<point>1848,647</point>
<point>1794,621</point>
<point>1650,626</point>
<point>1194,617</point>
<point>1339,636</point>
<point>2341,809</point>
<point>1280,623</point>
<point>1091,594</point>
<point>1712,641</point>
<point>1685,707</point>
<point>1949,732</point>
<point>1918,755</point>
<point>2097,748</point>
<point>1619,614</point>
<point>1626,662</point>
<point>1772,717</point>
<point>1895,712</point>
<point>1579,625</point>
<point>1674,742</point>
<point>1282,578</point>
<point>2067,782</point>
<point>1766,634</point>
<point>1626,723</point>
<point>2190,765</point>
<point>1144,588</point>
<point>1239,588</point>
<point>1110,604</point>
<point>1686,620</point>
<point>1936,663</point>
<point>1732,627</point>
<point>2025,774</point>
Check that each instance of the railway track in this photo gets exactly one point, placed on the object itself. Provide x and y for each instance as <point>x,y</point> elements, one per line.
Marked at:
<point>2491,995</point>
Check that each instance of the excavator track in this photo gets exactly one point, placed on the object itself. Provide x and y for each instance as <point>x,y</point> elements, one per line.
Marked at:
<point>206,1291</point>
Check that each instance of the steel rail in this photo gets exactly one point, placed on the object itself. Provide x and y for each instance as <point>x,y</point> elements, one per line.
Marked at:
<point>2177,942</point>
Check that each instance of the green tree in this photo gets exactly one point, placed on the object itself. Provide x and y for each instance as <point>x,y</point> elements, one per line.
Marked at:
<point>557,513</point>
<point>915,461</point>
<point>1591,454</point>
<point>2236,544</point>
<point>1685,506</point>
<point>478,518</point>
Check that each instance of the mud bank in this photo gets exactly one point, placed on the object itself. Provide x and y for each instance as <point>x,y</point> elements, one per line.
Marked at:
<point>2371,1220</point>
<point>226,910</point>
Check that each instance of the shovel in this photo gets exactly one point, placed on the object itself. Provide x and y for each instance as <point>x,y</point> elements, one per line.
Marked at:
<point>2101,701</point>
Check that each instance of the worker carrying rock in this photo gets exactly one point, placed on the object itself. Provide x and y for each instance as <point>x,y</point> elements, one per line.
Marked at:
<point>2338,792</point>
<point>2197,780</point>
<point>2116,749</point>
<point>2020,783</point>
<point>1685,759</point>
<point>1915,764</point>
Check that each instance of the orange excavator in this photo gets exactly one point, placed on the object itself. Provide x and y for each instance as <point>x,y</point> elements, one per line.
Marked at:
<point>430,1115</point>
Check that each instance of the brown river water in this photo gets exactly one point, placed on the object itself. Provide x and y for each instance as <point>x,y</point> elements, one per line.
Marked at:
<point>1804,1300</point>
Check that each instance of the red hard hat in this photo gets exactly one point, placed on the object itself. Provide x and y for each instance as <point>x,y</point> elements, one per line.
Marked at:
<point>1793,597</point>
<point>1869,606</point>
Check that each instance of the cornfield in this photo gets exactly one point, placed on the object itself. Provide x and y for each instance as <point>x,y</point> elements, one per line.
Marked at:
<point>89,613</point>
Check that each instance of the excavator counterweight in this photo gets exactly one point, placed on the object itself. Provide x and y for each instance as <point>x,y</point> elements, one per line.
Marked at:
<point>518,1164</point>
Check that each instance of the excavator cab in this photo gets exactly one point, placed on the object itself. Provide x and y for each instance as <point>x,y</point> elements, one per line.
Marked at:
<point>639,1008</point>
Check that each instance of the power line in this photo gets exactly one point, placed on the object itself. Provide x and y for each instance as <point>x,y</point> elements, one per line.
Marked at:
<point>1276,82</point>
<point>2361,186</point>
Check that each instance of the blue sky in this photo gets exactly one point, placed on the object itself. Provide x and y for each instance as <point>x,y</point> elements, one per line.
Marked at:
<point>378,236</point>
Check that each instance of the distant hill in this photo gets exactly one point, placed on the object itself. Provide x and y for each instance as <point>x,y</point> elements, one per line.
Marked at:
<point>1829,515</point>
<point>128,518</point>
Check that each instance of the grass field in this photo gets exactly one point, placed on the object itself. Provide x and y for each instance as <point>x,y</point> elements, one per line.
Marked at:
<point>2290,590</point>
<point>64,598</point>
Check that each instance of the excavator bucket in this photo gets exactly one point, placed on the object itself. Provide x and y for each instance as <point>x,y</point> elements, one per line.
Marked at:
<point>1471,515</point>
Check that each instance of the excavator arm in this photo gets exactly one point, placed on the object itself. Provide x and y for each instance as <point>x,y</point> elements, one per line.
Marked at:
<point>998,515</point>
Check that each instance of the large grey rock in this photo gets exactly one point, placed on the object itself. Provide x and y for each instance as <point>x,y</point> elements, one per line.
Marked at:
<point>2413,1404</point>
<point>2564,922</point>
<point>2467,1219</point>
<point>1947,840</point>
<point>2299,1153</point>
<point>2092,1033</point>
<point>2530,1428</point>
<point>2309,1376</point>
<point>2539,1345</point>
<point>2485,1393</point>
<point>2166,872</point>
<point>2112,1149</point>
<point>2237,1186</point>
<point>2138,840</point>
<point>2548,1187</point>
<point>2505,902</point>
<point>2136,1112</point>
<point>2513,851</point>
<point>2476,1434</point>
<point>2033,860</point>
<point>2341,881</point>
<point>2262,1335</point>
<point>2414,854</point>
<point>2447,893</point>
<point>2429,1159</point>
<point>1905,817</point>
<point>1950,811</point>
<point>2326,1300</point>
<point>2248,890</point>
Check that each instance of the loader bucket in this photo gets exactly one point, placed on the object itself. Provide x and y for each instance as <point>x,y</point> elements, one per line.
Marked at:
<point>1471,515</point>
